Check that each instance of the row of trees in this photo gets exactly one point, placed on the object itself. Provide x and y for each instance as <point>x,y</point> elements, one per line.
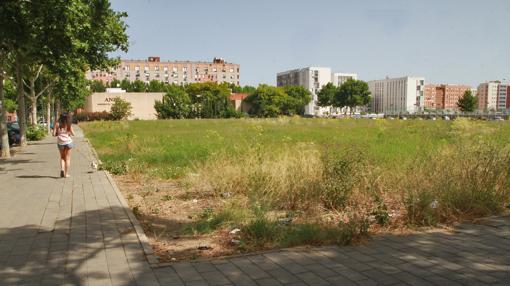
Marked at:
<point>211,100</point>
<point>196,100</point>
<point>45,48</point>
<point>271,101</point>
<point>349,95</point>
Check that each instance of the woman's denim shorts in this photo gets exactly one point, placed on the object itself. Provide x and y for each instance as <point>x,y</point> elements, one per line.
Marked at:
<point>68,146</point>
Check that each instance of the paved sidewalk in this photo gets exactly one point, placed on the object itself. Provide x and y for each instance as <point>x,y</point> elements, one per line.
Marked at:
<point>72,231</point>
<point>76,231</point>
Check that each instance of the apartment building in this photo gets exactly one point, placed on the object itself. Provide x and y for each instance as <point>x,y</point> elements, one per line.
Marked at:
<point>504,96</point>
<point>397,95</point>
<point>313,79</point>
<point>443,96</point>
<point>487,94</point>
<point>176,72</point>
<point>429,96</point>
<point>339,78</point>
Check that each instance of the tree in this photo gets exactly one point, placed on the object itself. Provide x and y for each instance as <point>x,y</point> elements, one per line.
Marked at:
<point>296,100</point>
<point>61,35</point>
<point>468,102</point>
<point>121,109</point>
<point>97,86</point>
<point>176,103</point>
<point>209,99</point>
<point>266,101</point>
<point>156,86</point>
<point>125,84</point>
<point>352,93</point>
<point>6,153</point>
<point>138,86</point>
<point>115,83</point>
<point>326,95</point>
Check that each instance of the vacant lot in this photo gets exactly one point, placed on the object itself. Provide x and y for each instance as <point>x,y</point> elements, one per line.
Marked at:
<point>214,187</point>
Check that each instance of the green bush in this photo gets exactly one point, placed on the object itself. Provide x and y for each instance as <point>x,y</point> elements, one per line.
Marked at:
<point>121,109</point>
<point>36,133</point>
<point>261,232</point>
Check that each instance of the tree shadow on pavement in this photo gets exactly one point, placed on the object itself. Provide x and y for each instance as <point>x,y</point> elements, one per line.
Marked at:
<point>91,247</point>
<point>37,177</point>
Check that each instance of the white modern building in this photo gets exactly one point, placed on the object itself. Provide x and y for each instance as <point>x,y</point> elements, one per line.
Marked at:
<point>488,95</point>
<point>339,78</point>
<point>397,95</point>
<point>313,79</point>
<point>504,97</point>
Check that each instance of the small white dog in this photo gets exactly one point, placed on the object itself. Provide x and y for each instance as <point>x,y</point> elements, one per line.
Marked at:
<point>93,165</point>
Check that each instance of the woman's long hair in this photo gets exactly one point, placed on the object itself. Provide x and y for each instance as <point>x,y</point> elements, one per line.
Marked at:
<point>64,122</point>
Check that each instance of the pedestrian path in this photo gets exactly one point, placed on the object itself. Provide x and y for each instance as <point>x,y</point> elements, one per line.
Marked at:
<point>77,231</point>
<point>56,231</point>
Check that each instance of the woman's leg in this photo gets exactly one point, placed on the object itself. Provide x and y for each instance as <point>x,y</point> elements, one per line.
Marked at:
<point>62,159</point>
<point>68,161</point>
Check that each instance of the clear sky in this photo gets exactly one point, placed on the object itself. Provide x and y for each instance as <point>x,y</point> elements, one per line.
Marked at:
<point>446,41</point>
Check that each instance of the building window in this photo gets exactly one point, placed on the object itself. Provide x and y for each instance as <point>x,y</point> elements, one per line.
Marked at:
<point>146,68</point>
<point>156,68</point>
<point>184,69</point>
<point>214,69</point>
<point>231,70</point>
<point>137,68</point>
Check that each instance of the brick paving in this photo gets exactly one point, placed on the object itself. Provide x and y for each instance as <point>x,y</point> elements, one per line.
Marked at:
<point>76,231</point>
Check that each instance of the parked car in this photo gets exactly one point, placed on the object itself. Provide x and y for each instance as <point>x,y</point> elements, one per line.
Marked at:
<point>13,132</point>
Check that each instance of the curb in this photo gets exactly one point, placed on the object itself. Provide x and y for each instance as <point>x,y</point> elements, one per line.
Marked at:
<point>142,238</point>
<point>144,241</point>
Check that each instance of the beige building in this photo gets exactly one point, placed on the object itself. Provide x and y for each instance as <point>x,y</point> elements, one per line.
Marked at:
<point>488,95</point>
<point>397,95</point>
<point>176,72</point>
<point>142,103</point>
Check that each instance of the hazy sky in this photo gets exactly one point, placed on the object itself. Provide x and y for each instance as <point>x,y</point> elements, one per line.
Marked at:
<point>446,41</point>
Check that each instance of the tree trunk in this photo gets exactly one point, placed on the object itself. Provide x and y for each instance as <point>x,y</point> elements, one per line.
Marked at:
<point>6,152</point>
<point>33,102</point>
<point>57,109</point>
<point>48,112</point>
<point>21,101</point>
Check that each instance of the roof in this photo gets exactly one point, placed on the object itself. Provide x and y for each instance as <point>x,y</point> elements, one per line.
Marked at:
<point>238,96</point>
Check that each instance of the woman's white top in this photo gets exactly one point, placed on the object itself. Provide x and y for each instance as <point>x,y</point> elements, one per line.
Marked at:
<point>63,137</point>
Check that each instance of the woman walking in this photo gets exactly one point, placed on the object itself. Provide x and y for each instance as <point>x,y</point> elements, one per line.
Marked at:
<point>63,130</point>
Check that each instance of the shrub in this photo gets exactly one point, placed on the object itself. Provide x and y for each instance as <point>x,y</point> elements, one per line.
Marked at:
<point>469,180</point>
<point>209,221</point>
<point>120,109</point>
<point>261,232</point>
<point>36,133</point>
<point>291,179</point>
<point>342,173</point>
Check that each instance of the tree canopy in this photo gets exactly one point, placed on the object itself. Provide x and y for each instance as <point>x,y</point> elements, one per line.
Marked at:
<point>270,101</point>
<point>351,94</point>
<point>196,100</point>
<point>468,102</point>
<point>66,38</point>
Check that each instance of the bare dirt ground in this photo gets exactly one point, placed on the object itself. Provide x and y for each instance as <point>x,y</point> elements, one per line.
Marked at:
<point>166,213</point>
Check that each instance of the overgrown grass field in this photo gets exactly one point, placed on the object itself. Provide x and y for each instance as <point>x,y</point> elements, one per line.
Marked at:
<point>292,181</point>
